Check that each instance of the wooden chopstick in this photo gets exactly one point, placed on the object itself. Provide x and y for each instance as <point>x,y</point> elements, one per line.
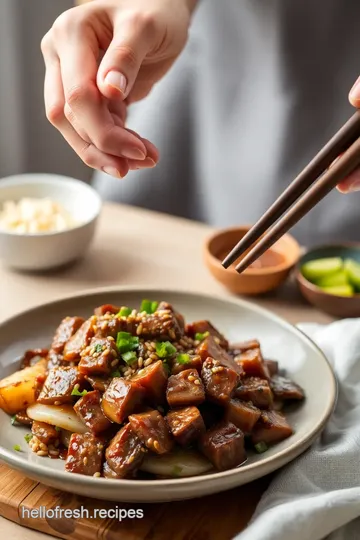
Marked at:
<point>344,166</point>
<point>338,144</point>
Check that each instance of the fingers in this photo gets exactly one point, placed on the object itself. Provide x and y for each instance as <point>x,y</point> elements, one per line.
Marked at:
<point>351,183</point>
<point>354,96</point>
<point>133,38</point>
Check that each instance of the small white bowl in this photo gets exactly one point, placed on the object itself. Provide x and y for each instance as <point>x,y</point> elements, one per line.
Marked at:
<point>53,249</point>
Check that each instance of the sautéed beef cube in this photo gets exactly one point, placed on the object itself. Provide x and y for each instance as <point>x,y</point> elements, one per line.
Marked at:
<point>168,307</point>
<point>79,340</point>
<point>209,348</point>
<point>46,433</point>
<point>205,327</point>
<point>252,363</point>
<point>121,398</point>
<point>192,361</point>
<point>159,325</point>
<point>65,331</point>
<point>125,452</point>
<point>106,308</point>
<point>85,454</point>
<point>243,415</point>
<point>55,360</point>
<point>100,357</point>
<point>219,381</point>
<point>272,367</point>
<point>255,390</point>
<point>89,411</point>
<point>32,356</point>
<point>271,428</point>
<point>186,425</point>
<point>153,379</point>
<point>243,346</point>
<point>109,326</point>
<point>223,445</point>
<point>152,430</point>
<point>98,383</point>
<point>185,388</point>
<point>109,473</point>
<point>59,385</point>
<point>22,418</point>
<point>284,389</point>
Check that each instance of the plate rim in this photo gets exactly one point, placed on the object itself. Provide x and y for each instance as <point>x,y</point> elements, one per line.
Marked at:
<point>261,468</point>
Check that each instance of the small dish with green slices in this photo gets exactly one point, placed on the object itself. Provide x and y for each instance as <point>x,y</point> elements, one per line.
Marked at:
<point>329,278</point>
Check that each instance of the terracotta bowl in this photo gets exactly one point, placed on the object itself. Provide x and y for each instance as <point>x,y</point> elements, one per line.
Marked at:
<point>337,306</point>
<point>255,280</point>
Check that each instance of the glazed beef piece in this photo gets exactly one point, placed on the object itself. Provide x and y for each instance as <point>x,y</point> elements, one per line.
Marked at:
<point>186,425</point>
<point>271,428</point>
<point>161,325</point>
<point>243,415</point>
<point>186,361</point>
<point>205,327</point>
<point>109,473</point>
<point>65,331</point>
<point>168,307</point>
<point>153,379</point>
<point>152,430</point>
<point>100,357</point>
<point>56,360</point>
<point>219,381</point>
<point>85,454</point>
<point>32,356</point>
<point>22,418</point>
<point>125,452</point>
<point>45,433</point>
<point>121,398</point>
<point>223,445</point>
<point>185,388</point>
<point>59,385</point>
<point>89,411</point>
<point>106,308</point>
<point>253,364</point>
<point>79,340</point>
<point>257,391</point>
<point>98,383</point>
<point>208,348</point>
<point>109,326</point>
<point>284,389</point>
<point>243,346</point>
<point>272,367</point>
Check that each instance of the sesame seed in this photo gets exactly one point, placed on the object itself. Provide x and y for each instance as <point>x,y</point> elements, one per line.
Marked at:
<point>85,461</point>
<point>97,475</point>
<point>140,361</point>
<point>59,402</point>
<point>114,362</point>
<point>191,378</point>
<point>149,442</point>
<point>139,329</point>
<point>172,334</point>
<point>110,338</point>
<point>148,362</point>
<point>143,450</point>
<point>156,445</point>
<point>41,453</point>
<point>197,382</point>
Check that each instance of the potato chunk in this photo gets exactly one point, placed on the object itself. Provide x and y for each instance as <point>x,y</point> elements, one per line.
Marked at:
<point>21,389</point>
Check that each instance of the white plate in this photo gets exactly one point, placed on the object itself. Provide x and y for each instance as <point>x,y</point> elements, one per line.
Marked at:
<point>238,320</point>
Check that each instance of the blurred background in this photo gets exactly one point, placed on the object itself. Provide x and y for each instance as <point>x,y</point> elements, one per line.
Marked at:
<point>28,142</point>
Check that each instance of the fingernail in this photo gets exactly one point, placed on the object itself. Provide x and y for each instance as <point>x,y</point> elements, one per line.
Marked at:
<point>112,172</point>
<point>148,163</point>
<point>355,91</point>
<point>355,186</point>
<point>133,153</point>
<point>116,80</point>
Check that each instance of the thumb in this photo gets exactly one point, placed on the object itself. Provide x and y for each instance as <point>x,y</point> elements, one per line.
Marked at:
<point>132,40</point>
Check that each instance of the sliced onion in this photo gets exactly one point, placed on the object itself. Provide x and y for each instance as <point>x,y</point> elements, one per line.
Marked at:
<point>179,463</point>
<point>62,416</point>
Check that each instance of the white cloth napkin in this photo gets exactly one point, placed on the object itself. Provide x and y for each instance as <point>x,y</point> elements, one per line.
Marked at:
<point>318,495</point>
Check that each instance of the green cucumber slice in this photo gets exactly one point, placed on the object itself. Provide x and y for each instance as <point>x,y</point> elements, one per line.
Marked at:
<point>340,290</point>
<point>333,280</point>
<point>319,268</point>
<point>352,269</point>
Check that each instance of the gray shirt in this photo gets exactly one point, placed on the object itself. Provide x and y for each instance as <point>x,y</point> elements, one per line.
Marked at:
<point>261,86</point>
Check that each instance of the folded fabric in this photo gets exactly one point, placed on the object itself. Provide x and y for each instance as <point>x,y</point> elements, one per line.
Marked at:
<point>318,495</point>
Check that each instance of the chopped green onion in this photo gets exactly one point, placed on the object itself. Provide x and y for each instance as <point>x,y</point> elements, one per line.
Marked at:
<point>177,470</point>
<point>183,359</point>
<point>124,312</point>
<point>148,306</point>
<point>115,374</point>
<point>28,437</point>
<point>261,447</point>
<point>126,342</point>
<point>76,392</point>
<point>13,420</point>
<point>164,349</point>
<point>57,428</point>
<point>199,336</point>
<point>167,367</point>
<point>129,357</point>
<point>98,348</point>
<point>17,447</point>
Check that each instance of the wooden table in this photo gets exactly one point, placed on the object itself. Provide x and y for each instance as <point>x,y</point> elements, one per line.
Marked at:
<point>137,247</point>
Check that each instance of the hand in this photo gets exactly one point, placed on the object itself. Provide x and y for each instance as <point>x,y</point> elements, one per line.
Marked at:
<point>100,57</point>
<point>352,182</point>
